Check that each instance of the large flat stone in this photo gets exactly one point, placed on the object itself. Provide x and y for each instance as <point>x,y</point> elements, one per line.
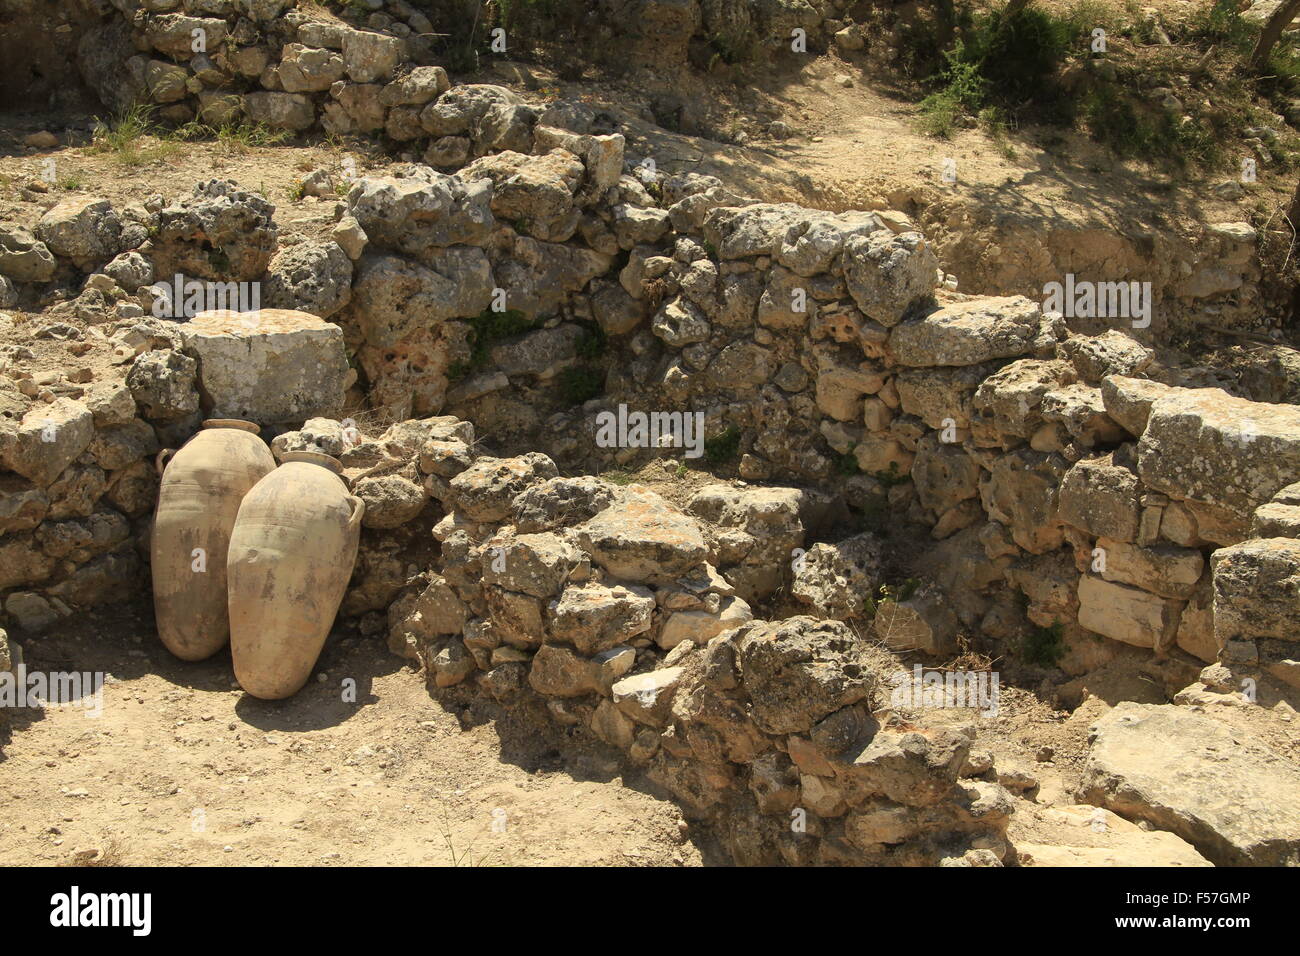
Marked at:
<point>1209,446</point>
<point>270,366</point>
<point>1227,795</point>
<point>1127,614</point>
<point>968,333</point>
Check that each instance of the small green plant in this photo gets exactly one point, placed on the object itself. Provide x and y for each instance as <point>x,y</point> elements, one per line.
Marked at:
<point>994,123</point>
<point>891,477</point>
<point>1044,646</point>
<point>485,330</point>
<point>846,464</point>
<point>581,383</point>
<point>723,447</point>
<point>295,190</point>
<point>131,139</point>
<point>592,342</point>
<point>964,91</point>
<point>70,183</point>
<point>241,137</point>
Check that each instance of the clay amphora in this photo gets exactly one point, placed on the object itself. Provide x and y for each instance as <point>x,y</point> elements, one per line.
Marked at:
<point>199,495</point>
<point>291,555</point>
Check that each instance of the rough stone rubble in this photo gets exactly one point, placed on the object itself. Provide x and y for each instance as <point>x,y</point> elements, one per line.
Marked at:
<point>1072,473</point>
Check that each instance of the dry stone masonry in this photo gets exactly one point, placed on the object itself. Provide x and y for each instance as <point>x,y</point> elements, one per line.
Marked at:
<point>532,275</point>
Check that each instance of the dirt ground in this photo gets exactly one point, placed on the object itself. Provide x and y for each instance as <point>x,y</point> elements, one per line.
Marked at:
<point>182,768</point>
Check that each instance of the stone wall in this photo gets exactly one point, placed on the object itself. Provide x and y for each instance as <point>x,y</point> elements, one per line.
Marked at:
<point>344,69</point>
<point>1104,484</point>
<point>1127,499</point>
<point>606,602</point>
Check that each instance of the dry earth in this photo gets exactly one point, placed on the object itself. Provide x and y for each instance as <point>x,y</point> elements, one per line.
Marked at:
<point>182,768</point>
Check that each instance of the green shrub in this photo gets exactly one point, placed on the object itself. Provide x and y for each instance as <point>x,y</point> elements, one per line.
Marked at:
<point>489,327</point>
<point>581,383</point>
<point>723,447</point>
<point>593,341</point>
<point>1044,646</point>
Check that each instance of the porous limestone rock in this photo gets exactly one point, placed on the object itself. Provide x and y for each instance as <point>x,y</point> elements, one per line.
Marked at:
<point>269,366</point>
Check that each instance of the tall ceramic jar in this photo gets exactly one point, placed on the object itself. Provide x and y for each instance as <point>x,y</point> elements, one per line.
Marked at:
<point>199,495</point>
<point>291,555</point>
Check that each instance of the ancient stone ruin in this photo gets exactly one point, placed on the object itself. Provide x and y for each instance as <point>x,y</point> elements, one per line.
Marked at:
<point>700,477</point>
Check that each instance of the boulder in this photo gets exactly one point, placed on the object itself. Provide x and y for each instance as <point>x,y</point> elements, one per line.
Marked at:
<point>595,617</point>
<point>280,110</point>
<point>839,580</point>
<point>535,193</point>
<point>702,626</point>
<point>1257,590</point>
<point>923,621</point>
<point>1161,569</point>
<point>458,110</point>
<point>560,502</point>
<point>422,84</point>
<point>313,277</point>
<point>967,333</point>
<point>541,276</point>
<point>269,366</point>
<point>891,275</point>
<point>1128,400</point>
<point>557,671</point>
<point>535,564</point>
<point>799,670</point>
<point>1222,451</point>
<point>88,231</point>
<point>1101,496</point>
<point>1081,835</point>
<point>219,232</point>
<point>162,384</point>
<point>23,257</point>
<point>940,397</point>
<point>1021,491</point>
<point>391,500</point>
<point>423,212</point>
<point>46,440</point>
<point>1111,353</point>
<point>641,537</point>
<point>486,490</point>
<point>394,296</point>
<point>371,56</point>
<point>647,698</point>
<point>1080,410</point>
<point>1227,794</point>
<point>1010,399</point>
<point>305,69</point>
